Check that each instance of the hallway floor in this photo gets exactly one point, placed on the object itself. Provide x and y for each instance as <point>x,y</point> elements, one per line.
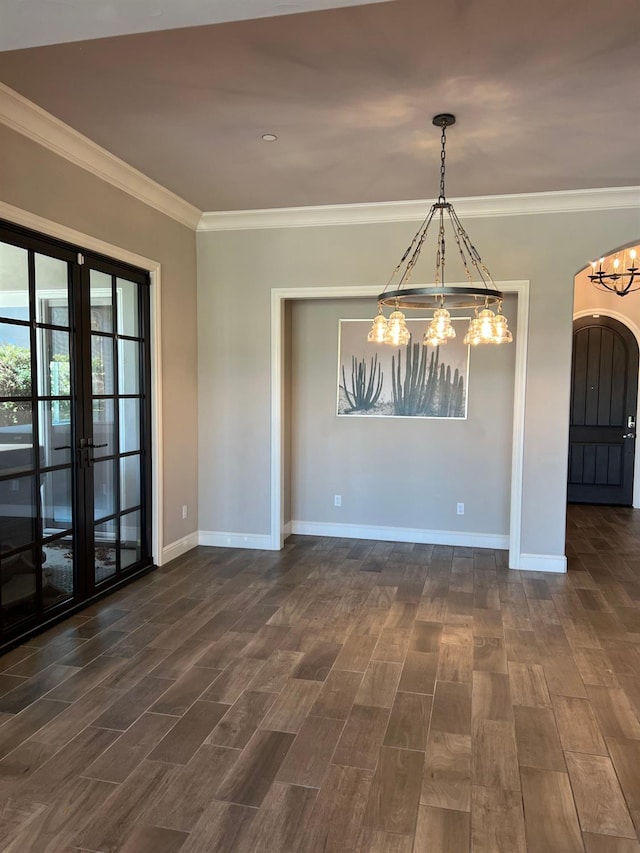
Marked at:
<point>337,696</point>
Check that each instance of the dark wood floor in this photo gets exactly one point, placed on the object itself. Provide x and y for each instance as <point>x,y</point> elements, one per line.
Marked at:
<point>338,696</point>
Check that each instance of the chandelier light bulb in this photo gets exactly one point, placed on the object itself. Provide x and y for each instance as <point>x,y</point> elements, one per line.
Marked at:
<point>616,263</point>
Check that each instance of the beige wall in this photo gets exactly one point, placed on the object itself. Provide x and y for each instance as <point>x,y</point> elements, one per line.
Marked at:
<point>234,364</point>
<point>38,181</point>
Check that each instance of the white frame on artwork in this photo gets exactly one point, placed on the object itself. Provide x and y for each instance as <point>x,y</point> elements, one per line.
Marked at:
<point>417,327</point>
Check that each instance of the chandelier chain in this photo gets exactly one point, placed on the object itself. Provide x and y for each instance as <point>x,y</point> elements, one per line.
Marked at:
<point>463,257</point>
<point>443,142</point>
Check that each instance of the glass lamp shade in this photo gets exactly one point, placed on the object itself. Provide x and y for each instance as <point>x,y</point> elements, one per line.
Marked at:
<point>488,328</point>
<point>397,333</point>
<point>481,329</point>
<point>501,333</point>
<point>485,326</point>
<point>440,329</point>
<point>378,331</point>
<point>472,338</point>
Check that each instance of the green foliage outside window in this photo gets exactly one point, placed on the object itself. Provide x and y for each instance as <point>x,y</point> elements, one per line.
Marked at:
<point>15,381</point>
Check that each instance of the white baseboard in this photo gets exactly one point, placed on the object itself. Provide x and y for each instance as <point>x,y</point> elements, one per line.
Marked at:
<point>542,563</point>
<point>178,548</point>
<point>262,542</point>
<point>401,534</point>
<point>219,539</point>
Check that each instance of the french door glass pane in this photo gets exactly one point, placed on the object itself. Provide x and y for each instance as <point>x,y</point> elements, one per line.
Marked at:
<point>130,539</point>
<point>101,364</point>
<point>18,591</point>
<point>57,575</point>
<point>103,428</point>
<point>129,482</point>
<point>129,367</point>
<point>104,497</point>
<point>16,438</point>
<point>106,537</point>
<point>14,282</point>
<point>57,501</point>
<point>52,290</point>
<point>128,322</point>
<point>101,299</point>
<point>17,512</point>
<point>15,364</point>
<point>54,423</point>
<point>129,425</point>
<point>54,375</point>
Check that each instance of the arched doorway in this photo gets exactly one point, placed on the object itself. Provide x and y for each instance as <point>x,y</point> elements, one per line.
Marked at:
<point>604,390</point>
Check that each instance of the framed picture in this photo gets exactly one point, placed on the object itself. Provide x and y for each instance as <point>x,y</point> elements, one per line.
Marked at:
<point>413,381</point>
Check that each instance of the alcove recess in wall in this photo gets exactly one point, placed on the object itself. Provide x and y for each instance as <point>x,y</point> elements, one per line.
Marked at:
<point>398,478</point>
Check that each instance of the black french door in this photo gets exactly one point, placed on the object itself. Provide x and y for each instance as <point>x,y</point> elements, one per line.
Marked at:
<point>75,428</point>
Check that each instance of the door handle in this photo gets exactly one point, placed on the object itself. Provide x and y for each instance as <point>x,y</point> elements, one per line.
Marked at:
<point>63,447</point>
<point>84,448</point>
<point>629,435</point>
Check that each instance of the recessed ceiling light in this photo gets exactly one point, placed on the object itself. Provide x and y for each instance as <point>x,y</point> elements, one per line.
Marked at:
<point>269,137</point>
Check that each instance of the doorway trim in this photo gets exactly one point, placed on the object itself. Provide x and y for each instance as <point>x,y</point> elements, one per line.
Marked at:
<point>279,296</point>
<point>635,330</point>
<point>61,232</point>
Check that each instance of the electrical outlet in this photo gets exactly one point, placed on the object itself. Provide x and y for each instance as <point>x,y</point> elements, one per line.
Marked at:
<point>184,511</point>
<point>337,500</point>
<point>460,509</point>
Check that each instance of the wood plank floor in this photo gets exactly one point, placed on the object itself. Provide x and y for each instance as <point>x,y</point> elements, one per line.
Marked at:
<point>337,696</point>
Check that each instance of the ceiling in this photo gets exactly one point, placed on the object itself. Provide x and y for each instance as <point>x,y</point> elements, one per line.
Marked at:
<point>545,95</point>
<point>29,23</point>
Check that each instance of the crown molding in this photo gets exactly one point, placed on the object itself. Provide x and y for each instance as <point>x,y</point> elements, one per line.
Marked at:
<point>568,201</point>
<point>27,118</point>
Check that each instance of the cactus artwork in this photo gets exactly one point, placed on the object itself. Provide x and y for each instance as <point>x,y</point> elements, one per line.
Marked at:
<point>364,392</point>
<point>426,392</point>
<point>411,381</point>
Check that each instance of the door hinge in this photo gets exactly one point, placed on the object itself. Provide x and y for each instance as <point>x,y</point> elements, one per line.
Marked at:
<point>80,258</point>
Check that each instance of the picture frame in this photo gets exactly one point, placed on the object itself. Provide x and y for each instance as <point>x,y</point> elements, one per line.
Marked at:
<point>412,381</point>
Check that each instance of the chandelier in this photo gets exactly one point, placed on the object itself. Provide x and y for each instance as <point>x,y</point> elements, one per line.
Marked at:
<point>487,326</point>
<point>621,278</point>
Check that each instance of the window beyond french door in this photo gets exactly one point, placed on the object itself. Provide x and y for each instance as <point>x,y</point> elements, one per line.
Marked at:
<point>75,466</point>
